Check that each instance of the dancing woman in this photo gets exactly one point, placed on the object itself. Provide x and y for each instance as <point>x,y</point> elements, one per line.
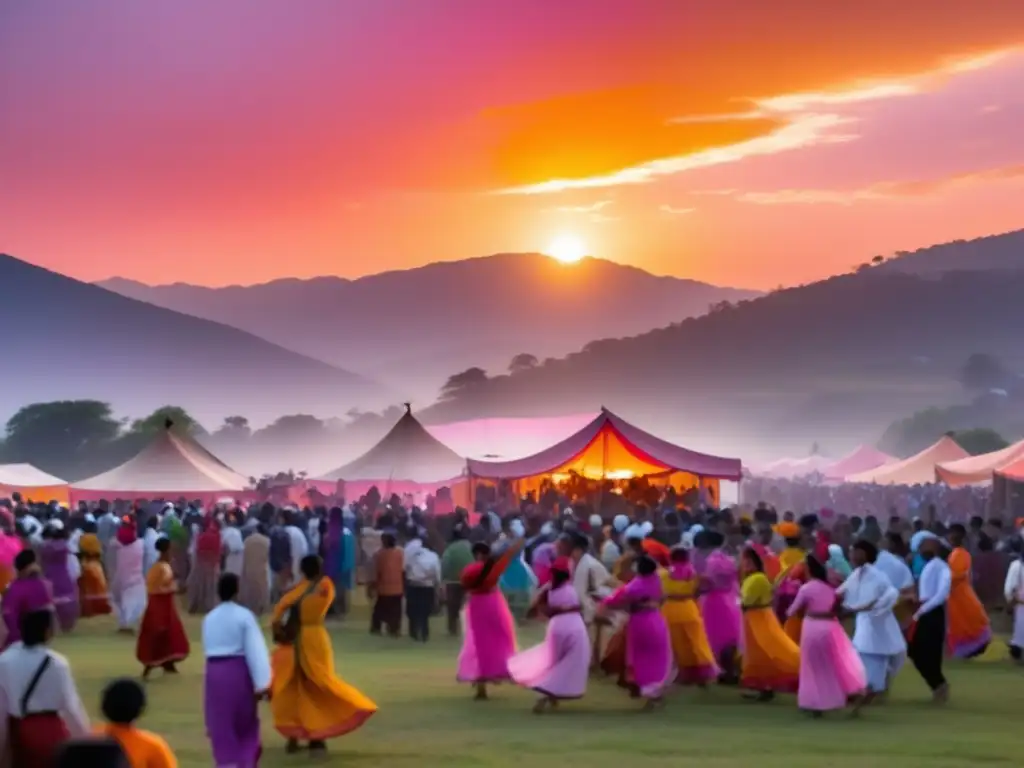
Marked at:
<point>557,669</point>
<point>694,660</point>
<point>831,672</point>
<point>649,663</point>
<point>489,636</point>
<point>771,660</point>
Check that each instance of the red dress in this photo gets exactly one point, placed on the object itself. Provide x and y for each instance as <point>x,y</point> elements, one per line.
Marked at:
<point>162,639</point>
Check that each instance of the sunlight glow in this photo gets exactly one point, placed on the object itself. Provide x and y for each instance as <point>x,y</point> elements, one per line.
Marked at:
<point>567,249</point>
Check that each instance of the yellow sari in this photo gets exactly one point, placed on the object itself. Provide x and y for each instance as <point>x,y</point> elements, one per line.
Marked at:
<point>694,660</point>
<point>92,583</point>
<point>771,660</point>
<point>308,700</point>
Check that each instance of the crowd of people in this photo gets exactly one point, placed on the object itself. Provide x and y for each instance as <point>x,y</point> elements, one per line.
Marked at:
<point>662,596</point>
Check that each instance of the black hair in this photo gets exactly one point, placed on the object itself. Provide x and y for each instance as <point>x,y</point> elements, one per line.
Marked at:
<point>35,627</point>
<point>123,701</point>
<point>896,544</point>
<point>958,528</point>
<point>579,541</point>
<point>162,544</point>
<point>558,578</point>
<point>227,587</point>
<point>24,559</point>
<point>481,548</point>
<point>645,565</point>
<point>794,542</point>
<point>815,569</point>
<point>679,555</point>
<point>870,550</point>
<point>310,566</point>
<point>752,556</point>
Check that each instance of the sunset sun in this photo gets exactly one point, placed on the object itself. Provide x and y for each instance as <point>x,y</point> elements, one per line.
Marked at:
<point>567,249</point>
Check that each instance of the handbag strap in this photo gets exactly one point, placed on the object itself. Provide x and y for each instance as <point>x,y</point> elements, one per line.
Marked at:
<point>34,682</point>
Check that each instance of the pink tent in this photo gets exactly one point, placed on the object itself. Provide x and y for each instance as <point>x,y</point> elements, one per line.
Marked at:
<point>172,465</point>
<point>407,460</point>
<point>978,469</point>
<point>917,470</point>
<point>610,446</point>
<point>863,459</point>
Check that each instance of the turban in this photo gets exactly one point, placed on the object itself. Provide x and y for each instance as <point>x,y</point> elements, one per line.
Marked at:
<point>620,523</point>
<point>788,530</point>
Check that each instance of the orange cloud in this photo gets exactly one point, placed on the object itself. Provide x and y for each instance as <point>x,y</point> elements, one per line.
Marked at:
<point>890,190</point>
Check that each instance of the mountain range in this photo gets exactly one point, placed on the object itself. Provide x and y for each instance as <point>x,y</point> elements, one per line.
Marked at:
<point>65,339</point>
<point>836,360</point>
<point>413,328</point>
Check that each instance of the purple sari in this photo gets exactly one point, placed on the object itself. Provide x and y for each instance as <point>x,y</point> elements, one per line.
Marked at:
<point>54,556</point>
<point>24,595</point>
<point>721,604</point>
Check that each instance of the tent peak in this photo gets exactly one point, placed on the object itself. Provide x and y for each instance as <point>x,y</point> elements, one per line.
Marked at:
<point>408,408</point>
<point>168,423</point>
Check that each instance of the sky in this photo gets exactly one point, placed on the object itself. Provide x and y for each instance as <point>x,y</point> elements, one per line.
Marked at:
<point>741,142</point>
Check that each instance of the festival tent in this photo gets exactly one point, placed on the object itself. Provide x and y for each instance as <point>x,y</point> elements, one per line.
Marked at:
<point>919,469</point>
<point>864,458</point>
<point>170,466</point>
<point>1012,472</point>
<point>978,469</point>
<point>611,448</point>
<point>407,460</point>
<point>32,483</point>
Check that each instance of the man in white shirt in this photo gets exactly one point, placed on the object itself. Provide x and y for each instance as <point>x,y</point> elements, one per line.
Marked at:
<point>423,585</point>
<point>877,636</point>
<point>592,583</point>
<point>39,704</point>
<point>232,545</point>
<point>299,544</point>
<point>237,677</point>
<point>1013,591</point>
<point>928,641</point>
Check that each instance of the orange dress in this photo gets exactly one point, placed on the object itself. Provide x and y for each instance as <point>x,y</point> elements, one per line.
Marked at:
<point>143,749</point>
<point>969,631</point>
<point>771,660</point>
<point>92,584</point>
<point>309,701</point>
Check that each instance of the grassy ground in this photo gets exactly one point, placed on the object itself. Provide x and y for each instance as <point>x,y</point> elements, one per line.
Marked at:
<point>426,719</point>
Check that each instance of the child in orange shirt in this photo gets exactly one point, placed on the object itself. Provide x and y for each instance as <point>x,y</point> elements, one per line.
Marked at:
<point>124,701</point>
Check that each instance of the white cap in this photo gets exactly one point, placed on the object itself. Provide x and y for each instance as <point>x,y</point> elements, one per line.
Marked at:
<point>595,521</point>
<point>620,523</point>
<point>647,527</point>
<point>634,532</point>
<point>517,528</point>
<point>546,529</point>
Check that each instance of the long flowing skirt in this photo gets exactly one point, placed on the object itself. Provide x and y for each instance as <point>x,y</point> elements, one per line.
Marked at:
<point>230,708</point>
<point>67,609</point>
<point>488,639</point>
<point>649,653</point>
<point>92,590</point>
<point>693,658</point>
<point>130,605</point>
<point>723,622</point>
<point>831,670</point>
<point>162,639</point>
<point>969,631</point>
<point>794,628</point>
<point>202,588</point>
<point>771,661</point>
<point>309,701</point>
<point>559,666</point>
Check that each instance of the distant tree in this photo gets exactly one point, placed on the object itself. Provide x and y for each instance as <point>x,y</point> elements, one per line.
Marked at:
<point>524,361</point>
<point>157,421</point>
<point>57,436</point>
<point>234,429</point>
<point>982,372</point>
<point>294,428</point>
<point>980,440</point>
<point>460,383</point>
<point>720,306</point>
<point>878,260</point>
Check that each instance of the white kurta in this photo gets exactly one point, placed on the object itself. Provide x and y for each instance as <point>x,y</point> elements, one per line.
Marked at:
<point>590,580</point>
<point>232,630</point>
<point>1013,591</point>
<point>233,546</point>
<point>128,587</point>
<point>300,548</point>
<point>877,630</point>
<point>149,554</point>
<point>55,691</point>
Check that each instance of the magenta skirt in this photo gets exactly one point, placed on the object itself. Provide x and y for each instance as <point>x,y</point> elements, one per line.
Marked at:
<point>649,653</point>
<point>830,668</point>
<point>723,621</point>
<point>559,666</point>
<point>488,639</point>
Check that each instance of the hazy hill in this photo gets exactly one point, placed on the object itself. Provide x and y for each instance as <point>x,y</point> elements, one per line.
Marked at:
<point>412,328</point>
<point>64,339</point>
<point>996,252</point>
<point>834,361</point>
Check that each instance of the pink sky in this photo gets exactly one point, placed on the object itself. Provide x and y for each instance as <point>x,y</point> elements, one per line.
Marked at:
<point>740,142</point>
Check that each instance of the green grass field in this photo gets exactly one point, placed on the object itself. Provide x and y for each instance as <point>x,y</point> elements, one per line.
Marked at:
<point>427,719</point>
